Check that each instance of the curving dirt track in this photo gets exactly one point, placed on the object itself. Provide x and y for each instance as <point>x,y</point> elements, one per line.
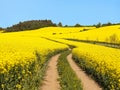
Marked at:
<point>87,82</point>
<point>50,80</point>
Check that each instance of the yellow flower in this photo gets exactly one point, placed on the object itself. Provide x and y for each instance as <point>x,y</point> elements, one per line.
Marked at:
<point>18,86</point>
<point>2,85</point>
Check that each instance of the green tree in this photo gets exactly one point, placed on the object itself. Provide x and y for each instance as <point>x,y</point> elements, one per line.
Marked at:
<point>0,28</point>
<point>60,24</point>
<point>30,25</point>
<point>66,26</point>
<point>98,25</point>
<point>77,25</point>
<point>107,24</point>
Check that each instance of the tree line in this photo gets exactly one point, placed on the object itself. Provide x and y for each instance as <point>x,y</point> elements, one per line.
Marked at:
<point>96,25</point>
<point>30,25</point>
<point>1,28</point>
<point>36,24</point>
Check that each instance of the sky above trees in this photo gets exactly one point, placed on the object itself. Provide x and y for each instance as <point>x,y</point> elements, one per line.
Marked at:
<point>69,12</point>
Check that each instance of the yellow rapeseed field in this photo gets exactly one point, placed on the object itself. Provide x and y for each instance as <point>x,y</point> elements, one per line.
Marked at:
<point>21,57</point>
<point>24,55</point>
<point>109,34</point>
<point>101,62</point>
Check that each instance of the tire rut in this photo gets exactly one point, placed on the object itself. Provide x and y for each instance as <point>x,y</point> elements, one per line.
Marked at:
<point>50,80</point>
<point>87,82</point>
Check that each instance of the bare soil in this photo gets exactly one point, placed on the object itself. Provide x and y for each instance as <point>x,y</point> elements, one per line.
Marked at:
<point>50,81</point>
<point>87,82</point>
<point>51,78</point>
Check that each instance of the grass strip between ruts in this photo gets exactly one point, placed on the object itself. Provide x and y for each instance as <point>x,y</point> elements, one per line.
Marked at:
<point>68,79</point>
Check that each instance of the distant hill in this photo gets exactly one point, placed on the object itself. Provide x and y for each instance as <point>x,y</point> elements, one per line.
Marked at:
<point>30,25</point>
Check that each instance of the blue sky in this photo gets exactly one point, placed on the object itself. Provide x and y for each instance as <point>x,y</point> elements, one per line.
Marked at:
<point>69,12</point>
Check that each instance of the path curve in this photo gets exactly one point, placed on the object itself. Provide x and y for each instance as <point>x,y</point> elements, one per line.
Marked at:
<point>87,82</point>
<point>50,81</point>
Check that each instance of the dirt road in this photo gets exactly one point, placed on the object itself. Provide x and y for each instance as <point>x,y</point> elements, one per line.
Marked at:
<point>87,82</point>
<point>50,81</point>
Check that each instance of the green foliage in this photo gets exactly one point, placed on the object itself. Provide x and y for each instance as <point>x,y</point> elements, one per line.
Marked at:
<point>98,25</point>
<point>68,78</point>
<point>107,24</point>
<point>27,78</point>
<point>66,26</point>
<point>60,24</point>
<point>30,25</point>
<point>1,28</point>
<point>77,25</point>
